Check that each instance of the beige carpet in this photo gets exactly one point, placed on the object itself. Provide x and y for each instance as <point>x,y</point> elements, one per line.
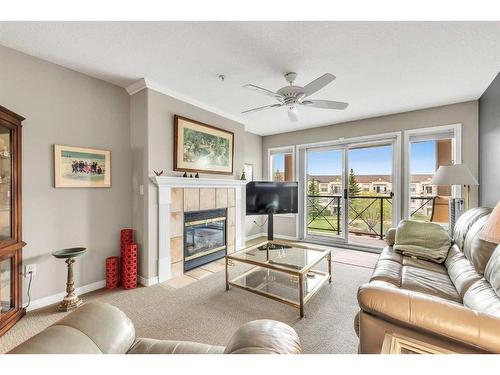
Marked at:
<point>205,312</point>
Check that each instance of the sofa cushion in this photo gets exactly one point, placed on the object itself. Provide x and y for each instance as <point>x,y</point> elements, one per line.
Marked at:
<point>95,327</point>
<point>481,297</point>
<point>492,271</point>
<point>152,346</point>
<point>475,249</point>
<point>389,271</point>
<point>423,264</point>
<point>429,282</point>
<point>460,270</point>
<point>389,253</point>
<point>466,221</point>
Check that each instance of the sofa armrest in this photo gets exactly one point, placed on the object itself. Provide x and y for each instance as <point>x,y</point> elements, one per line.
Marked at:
<point>431,314</point>
<point>390,236</point>
<point>264,337</point>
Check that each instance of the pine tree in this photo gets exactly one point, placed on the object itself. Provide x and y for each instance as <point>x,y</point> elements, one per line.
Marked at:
<point>313,192</point>
<point>353,184</point>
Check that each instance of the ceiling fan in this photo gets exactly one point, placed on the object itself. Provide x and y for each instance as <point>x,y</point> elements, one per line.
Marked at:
<point>292,96</point>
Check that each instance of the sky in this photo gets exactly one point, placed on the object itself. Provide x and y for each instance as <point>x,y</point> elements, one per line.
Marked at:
<point>370,161</point>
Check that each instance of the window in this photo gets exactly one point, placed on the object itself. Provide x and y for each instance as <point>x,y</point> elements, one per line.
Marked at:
<point>323,188</point>
<point>428,149</point>
<point>281,162</point>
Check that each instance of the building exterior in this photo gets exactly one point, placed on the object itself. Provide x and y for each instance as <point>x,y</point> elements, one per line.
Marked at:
<point>380,185</point>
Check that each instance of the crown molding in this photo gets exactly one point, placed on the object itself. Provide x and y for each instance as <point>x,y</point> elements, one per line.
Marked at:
<point>144,83</point>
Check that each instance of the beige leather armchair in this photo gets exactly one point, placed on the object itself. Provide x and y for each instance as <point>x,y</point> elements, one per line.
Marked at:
<point>100,328</point>
<point>454,305</point>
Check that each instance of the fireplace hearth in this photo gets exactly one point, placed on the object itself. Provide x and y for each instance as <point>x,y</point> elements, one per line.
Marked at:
<point>204,237</point>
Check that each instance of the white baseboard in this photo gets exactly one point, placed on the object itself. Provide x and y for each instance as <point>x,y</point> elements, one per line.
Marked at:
<point>55,298</point>
<point>147,282</point>
<point>256,235</point>
<point>289,238</point>
<point>278,236</point>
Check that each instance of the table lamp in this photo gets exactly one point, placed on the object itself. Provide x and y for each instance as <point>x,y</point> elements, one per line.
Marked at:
<point>456,174</point>
<point>491,231</point>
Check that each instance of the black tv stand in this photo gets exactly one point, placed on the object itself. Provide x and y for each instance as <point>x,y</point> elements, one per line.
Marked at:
<point>270,245</point>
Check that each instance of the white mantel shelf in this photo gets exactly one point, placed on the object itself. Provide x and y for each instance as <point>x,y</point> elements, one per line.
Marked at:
<point>165,185</point>
<point>169,181</point>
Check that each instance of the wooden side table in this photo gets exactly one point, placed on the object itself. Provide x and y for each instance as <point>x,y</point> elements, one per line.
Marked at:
<point>71,301</point>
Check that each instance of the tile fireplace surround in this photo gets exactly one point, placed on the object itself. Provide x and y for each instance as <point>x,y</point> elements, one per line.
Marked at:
<point>177,195</point>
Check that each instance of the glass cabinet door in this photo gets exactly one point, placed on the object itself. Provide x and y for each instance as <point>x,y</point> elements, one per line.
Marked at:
<point>5,183</point>
<point>6,283</point>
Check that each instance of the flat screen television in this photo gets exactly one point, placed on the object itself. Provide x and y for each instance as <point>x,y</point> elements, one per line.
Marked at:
<point>269,198</point>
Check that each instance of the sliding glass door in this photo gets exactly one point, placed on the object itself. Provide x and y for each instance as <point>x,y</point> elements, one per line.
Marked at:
<point>371,193</point>
<point>349,192</point>
<point>325,186</point>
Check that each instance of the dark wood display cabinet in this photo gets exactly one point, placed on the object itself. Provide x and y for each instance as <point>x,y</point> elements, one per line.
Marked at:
<point>11,244</point>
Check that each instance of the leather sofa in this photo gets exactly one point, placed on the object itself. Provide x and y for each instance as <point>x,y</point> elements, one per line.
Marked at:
<point>454,305</point>
<point>100,328</point>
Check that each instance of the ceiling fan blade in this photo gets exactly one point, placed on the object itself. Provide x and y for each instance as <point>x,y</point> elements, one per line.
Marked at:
<point>318,84</point>
<point>293,114</point>
<point>263,91</point>
<point>262,108</point>
<point>326,104</point>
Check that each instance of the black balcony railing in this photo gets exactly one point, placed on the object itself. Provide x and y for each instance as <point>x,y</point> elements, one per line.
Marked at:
<point>369,215</point>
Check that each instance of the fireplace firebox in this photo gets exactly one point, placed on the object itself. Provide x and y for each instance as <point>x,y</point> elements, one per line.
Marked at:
<point>204,237</point>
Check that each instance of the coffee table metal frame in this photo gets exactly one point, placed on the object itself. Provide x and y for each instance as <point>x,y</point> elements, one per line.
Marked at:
<point>300,274</point>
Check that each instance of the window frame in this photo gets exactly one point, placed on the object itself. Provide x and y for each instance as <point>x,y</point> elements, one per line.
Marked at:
<point>429,133</point>
<point>277,151</point>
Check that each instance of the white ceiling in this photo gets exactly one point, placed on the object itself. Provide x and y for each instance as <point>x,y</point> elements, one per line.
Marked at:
<point>381,67</point>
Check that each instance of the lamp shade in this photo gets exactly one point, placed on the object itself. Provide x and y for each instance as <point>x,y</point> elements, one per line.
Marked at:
<point>491,231</point>
<point>456,174</point>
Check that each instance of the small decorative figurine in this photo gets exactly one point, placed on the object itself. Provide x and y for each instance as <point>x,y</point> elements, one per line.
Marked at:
<point>158,173</point>
<point>197,175</point>
<point>191,175</point>
<point>243,177</point>
<point>185,174</point>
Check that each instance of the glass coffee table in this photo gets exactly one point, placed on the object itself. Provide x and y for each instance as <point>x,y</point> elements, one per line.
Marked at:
<point>285,275</point>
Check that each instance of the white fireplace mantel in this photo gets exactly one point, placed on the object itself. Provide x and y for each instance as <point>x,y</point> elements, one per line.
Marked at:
<point>165,184</point>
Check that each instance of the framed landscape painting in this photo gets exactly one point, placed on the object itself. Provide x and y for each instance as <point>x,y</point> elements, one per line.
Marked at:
<point>81,167</point>
<point>203,148</point>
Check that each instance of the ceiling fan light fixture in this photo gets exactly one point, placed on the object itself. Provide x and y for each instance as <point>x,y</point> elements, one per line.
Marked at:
<point>293,95</point>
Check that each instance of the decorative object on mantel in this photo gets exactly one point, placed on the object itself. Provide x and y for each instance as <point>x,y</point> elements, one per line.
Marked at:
<point>248,168</point>
<point>158,173</point>
<point>112,272</point>
<point>202,147</point>
<point>71,301</point>
<point>185,174</point>
<point>197,175</point>
<point>243,177</point>
<point>76,167</point>
<point>191,175</point>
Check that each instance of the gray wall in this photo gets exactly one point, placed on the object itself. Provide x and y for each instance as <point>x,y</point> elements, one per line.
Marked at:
<point>65,107</point>
<point>253,155</point>
<point>489,144</point>
<point>152,139</point>
<point>464,113</point>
